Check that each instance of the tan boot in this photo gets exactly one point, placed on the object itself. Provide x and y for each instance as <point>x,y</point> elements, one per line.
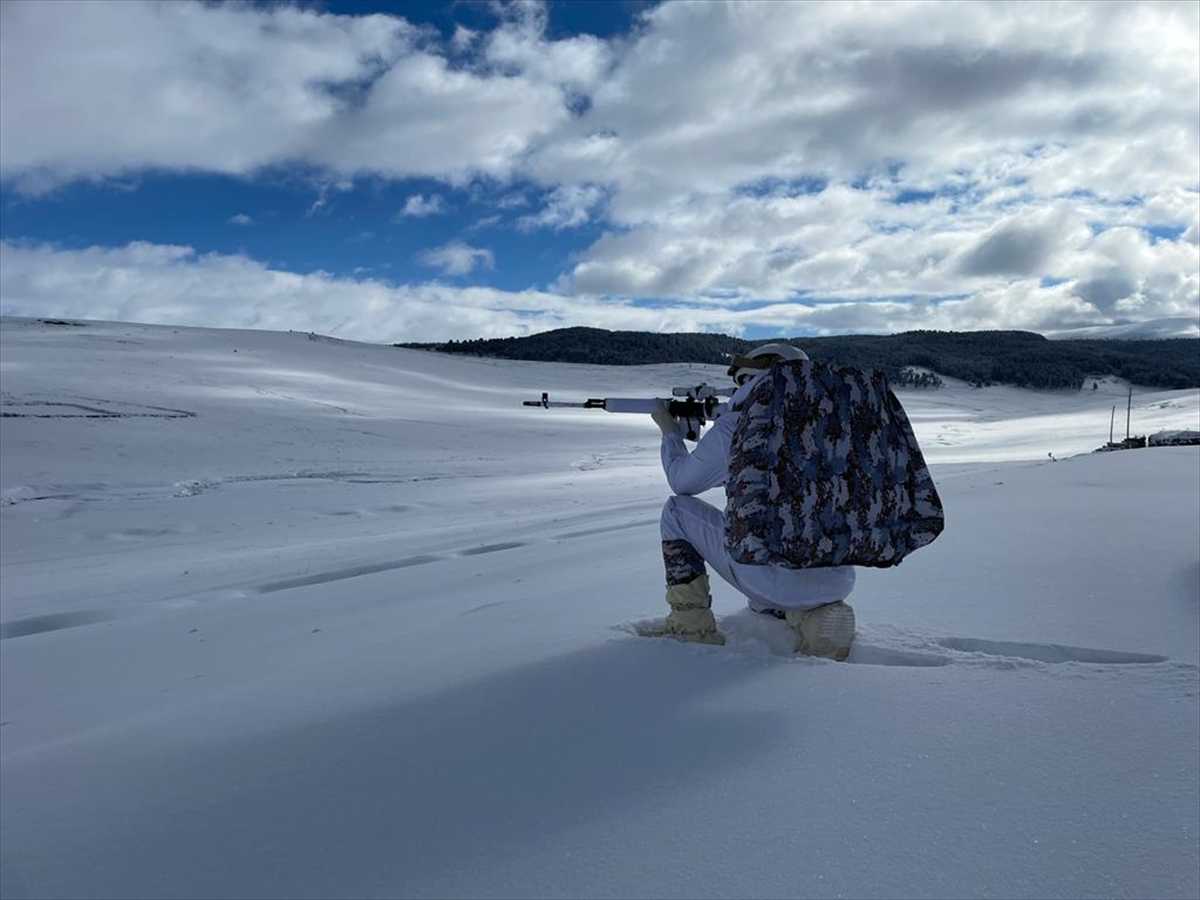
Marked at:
<point>691,617</point>
<point>826,631</point>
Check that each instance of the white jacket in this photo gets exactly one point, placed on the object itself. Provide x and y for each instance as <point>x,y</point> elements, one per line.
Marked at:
<point>707,466</point>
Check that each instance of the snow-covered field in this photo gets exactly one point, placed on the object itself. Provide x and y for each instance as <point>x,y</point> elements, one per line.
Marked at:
<point>286,616</point>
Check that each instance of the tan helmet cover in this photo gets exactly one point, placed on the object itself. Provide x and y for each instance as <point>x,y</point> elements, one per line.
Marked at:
<point>764,357</point>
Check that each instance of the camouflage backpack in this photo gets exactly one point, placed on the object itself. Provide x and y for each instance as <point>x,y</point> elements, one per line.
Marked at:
<point>824,470</point>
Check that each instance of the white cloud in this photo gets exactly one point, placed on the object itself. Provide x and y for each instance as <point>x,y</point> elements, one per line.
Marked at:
<point>704,96</point>
<point>97,89</point>
<point>714,94</point>
<point>951,269</point>
<point>94,90</point>
<point>457,258</point>
<point>418,206</point>
<point>700,140</point>
<point>423,117</point>
<point>485,222</point>
<point>324,190</point>
<point>176,285</point>
<point>519,45</point>
<point>1014,109</point>
<point>1027,244</point>
<point>514,200</point>
<point>241,219</point>
<point>463,39</point>
<point>1125,276</point>
<point>568,206</point>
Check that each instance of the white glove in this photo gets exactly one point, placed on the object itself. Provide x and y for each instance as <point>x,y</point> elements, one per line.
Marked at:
<point>662,417</point>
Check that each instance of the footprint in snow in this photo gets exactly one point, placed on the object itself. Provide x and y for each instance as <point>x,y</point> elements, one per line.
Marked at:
<point>749,632</point>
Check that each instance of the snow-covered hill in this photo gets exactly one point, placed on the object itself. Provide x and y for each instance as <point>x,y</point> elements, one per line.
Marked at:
<point>1176,327</point>
<point>290,616</point>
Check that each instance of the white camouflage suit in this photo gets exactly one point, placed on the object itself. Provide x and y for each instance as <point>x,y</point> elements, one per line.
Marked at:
<point>686,518</point>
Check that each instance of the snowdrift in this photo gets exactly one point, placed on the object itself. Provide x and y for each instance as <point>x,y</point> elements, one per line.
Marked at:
<point>287,616</point>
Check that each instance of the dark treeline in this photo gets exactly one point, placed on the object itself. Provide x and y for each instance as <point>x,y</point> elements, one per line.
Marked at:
<point>981,358</point>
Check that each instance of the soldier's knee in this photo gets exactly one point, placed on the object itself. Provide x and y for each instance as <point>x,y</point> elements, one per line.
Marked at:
<point>675,515</point>
<point>669,520</point>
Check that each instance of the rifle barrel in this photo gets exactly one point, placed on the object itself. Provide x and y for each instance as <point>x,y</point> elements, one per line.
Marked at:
<point>551,404</point>
<point>705,410</point>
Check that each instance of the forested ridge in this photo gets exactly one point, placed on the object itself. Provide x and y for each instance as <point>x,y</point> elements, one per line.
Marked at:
<point>1020,358</point>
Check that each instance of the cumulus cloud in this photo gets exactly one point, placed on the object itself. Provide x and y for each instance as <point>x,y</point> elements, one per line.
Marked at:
<point>1125,275</point>
<point>865,166</point>
<point>175,285</point>
<point>168,284</point>
<point>703,97</point>
<point>418,206</point>
<point>457,258</point>
<point>578,64</point>
<point>1024,245</point>
<point>241,219</point>
<point>463,39</point>
<point>96,89</point>
<point>714,94</point>
<point>568,206</point>
<point>1020,132</point>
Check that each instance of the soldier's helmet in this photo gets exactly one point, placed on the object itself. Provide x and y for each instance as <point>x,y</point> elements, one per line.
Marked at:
<point>746,366</point>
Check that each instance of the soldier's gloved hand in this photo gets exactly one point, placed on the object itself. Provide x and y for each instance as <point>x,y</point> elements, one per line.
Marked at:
<point>662,417</point>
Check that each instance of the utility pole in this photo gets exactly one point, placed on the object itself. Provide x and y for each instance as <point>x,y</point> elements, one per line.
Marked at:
<point>1112,420</point>
<point>1128,412</point>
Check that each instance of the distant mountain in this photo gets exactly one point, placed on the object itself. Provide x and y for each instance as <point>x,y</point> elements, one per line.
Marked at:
<point>1154,329</point>
<point>1020,358</point>
<point>599,347</point>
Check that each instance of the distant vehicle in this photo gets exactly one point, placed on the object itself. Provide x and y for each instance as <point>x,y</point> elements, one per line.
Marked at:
<point>1130,443</point>
<point>1174,438</point>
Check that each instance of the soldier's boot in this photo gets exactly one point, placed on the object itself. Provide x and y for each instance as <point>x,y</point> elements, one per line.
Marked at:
<point>826,631</point>
<point>691,617</point>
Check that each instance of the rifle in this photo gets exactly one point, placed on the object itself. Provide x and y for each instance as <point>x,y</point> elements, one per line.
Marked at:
<point>691,405</point>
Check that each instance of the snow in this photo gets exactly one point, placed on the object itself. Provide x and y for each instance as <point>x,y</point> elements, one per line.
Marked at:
<point>287,616</point>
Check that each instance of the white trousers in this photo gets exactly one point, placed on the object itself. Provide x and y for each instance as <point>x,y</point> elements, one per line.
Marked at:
<point>766,587</point>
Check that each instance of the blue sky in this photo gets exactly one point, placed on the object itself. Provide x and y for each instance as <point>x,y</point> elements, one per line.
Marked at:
<point>426,170</point>
<point>290,222</point>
